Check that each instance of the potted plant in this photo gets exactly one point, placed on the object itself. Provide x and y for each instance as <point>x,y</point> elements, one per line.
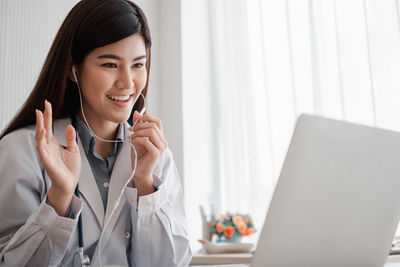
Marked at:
<point>231,227</point>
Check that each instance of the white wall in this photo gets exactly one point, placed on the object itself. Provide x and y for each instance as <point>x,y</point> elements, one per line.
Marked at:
<point>27,30</point>
<point>171,77</point>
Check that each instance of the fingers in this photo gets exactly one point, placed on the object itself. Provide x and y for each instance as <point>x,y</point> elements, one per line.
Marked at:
<point>150,147</point>
<point>41,144</point>
<point>148,121</point>
<point>151,134</point>
<point>44,122</point>
<point>153,126</point>
<point>135,120</point>
<point>149,118</point>
<point>48,120</point>
<point>135,115</point>
<point>70,137</point>
<point>39,123</point>
<point>146,118</point>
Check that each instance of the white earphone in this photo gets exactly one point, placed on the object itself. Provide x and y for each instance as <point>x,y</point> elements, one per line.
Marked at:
<point>73,72</point>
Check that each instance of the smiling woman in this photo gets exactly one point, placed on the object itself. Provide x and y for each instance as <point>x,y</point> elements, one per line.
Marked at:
<point>94,80</point>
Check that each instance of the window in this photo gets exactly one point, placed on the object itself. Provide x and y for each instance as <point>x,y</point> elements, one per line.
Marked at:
<point>251,67</point>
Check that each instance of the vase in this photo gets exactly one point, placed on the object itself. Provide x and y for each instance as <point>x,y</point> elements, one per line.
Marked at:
<point>234,239</point>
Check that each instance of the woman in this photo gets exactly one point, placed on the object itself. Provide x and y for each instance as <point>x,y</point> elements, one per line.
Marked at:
<point>79,159</point>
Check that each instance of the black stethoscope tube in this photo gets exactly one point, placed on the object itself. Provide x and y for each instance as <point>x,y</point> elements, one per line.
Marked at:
<point>80,231</point>
<point>79,258</point>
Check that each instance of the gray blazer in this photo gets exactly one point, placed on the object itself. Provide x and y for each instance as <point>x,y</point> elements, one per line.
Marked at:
<point>148,232</point>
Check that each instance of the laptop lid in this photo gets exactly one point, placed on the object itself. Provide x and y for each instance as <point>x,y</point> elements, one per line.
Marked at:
<point>337,200</point>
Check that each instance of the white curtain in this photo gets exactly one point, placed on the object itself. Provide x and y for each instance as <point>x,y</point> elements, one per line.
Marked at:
<point>256,66</point>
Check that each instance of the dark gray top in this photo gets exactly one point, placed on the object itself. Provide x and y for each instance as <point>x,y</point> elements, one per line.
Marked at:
<point>101,168</point>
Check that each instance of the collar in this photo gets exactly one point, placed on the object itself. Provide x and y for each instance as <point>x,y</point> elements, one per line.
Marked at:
<point>87,137</point>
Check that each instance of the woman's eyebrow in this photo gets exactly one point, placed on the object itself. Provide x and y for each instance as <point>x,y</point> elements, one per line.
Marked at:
<point>109,56</point>
<point>119,58</point>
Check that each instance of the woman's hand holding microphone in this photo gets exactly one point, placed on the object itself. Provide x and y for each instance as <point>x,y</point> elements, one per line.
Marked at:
<point>63,165</point>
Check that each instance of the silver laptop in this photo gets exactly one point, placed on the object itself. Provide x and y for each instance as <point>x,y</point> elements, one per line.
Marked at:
<point>337,200</point>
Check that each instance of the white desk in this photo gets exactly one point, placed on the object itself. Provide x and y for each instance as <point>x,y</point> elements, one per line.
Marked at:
<point>245,259</point>
<point>393,260</point>
<point>221,259</point>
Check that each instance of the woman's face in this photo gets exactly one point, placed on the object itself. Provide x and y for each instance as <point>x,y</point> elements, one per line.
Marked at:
<point>111,78</point>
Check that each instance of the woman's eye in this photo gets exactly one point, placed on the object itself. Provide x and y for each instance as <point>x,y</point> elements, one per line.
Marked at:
<point>109,65</point>
<point>138,65</point>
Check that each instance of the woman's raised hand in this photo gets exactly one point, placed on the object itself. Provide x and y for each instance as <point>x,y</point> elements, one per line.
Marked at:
<point>63,165</point>
<point>150,143</point>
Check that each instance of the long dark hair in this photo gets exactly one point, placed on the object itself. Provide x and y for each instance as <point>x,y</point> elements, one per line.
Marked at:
<point>89,25</point>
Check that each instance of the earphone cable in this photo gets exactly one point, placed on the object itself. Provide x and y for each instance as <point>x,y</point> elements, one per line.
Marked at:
<point>117,202</point>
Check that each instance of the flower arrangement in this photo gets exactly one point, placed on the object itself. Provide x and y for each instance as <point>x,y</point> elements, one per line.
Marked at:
<point>232,226</point>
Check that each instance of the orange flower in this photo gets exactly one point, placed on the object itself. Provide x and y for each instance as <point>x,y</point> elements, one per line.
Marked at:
<point>249,231</point>
<point>245,221</point>
<point>229,231</point>
<point>237,220</point>
<point>242,228</point>
<point>222,217</point>
<point>219,227</point>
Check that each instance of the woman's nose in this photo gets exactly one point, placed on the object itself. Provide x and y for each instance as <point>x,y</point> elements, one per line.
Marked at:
<point>125,80</point>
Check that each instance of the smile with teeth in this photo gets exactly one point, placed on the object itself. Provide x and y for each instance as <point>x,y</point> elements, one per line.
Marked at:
<point>119,98</point>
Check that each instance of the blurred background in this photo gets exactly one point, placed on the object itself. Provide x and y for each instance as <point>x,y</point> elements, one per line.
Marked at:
<point>229,79</point>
